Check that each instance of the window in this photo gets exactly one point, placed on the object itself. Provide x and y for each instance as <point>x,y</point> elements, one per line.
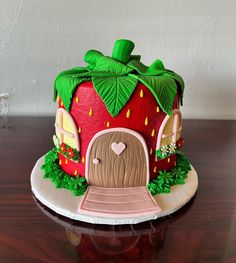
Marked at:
<point>66,129</point>
<point>170,129</point>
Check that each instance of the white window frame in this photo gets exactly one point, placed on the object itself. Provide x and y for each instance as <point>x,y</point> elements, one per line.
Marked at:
<point>176,114</point>
<point>61,131</point>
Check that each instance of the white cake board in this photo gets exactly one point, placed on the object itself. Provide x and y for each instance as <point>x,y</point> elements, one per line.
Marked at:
<point>63,201</point>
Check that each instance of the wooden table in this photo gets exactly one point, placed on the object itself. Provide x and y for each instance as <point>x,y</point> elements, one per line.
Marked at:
<point>202,231</point>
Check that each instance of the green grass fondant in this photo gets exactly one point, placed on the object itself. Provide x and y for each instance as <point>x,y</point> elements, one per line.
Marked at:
<point>166,179</point>
<point>78,184</point>
<point>53,171</point>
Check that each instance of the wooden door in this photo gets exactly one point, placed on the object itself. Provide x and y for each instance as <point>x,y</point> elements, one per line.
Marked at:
<point>117,159</point>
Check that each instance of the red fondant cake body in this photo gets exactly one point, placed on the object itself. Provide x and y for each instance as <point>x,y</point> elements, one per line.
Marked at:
<point>91,116</point>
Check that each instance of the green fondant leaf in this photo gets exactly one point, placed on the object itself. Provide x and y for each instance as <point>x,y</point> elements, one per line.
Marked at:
<point>138,66</point>
<point>66,83</point>
<point>114,91</point>
<point>159,154</point>
<point>163,88</point>
<point>154,70</point>
<point>99,74</point>
<point>106,64</point>
<point>179,80</point>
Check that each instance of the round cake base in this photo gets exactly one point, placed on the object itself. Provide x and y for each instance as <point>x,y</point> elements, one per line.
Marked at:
<point>63,202</point>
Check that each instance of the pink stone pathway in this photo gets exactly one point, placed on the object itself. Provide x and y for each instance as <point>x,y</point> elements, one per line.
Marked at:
<point>118,202</point>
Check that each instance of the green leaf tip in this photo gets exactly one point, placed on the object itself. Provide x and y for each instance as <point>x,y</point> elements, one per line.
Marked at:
<point>122,50</point>
<point>115,91</point>
<point>156,65</point>
<point>91,57</point>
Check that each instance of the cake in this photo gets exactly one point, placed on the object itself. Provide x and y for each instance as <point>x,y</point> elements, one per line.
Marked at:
<point>117,143</point>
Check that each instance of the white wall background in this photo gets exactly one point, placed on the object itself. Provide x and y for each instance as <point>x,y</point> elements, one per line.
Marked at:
<point>197,39</point>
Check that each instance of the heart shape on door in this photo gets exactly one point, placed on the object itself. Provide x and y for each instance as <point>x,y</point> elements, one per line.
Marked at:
<point>118,148</point>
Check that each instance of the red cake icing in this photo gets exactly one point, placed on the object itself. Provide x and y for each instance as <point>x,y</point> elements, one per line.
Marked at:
<point>91,116</point>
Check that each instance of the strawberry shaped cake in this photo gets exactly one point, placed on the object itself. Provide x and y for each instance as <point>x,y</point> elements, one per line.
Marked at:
<point>117,141</point>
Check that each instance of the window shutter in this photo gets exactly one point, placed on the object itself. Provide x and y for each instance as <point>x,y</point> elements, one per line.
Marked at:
<point>170,129</point>
<point>66,129</point>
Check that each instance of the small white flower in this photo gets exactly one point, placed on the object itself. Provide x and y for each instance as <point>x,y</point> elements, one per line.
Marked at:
<point>172,148</point>
<point>164,150</point>
<point>54,138</point>
<point>56,141</point>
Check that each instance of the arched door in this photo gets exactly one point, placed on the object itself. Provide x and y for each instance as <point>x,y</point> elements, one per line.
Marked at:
<point>117,158</point>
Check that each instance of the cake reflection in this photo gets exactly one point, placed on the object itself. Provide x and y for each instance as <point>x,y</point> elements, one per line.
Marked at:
<point>125,243</point>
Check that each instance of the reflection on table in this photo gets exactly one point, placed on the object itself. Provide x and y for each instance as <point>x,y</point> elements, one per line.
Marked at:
<point>124,243</point>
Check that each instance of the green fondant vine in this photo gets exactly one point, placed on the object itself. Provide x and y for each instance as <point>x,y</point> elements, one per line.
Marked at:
<point>166,179</point>
<point>53,171</point>
<point>115,78</point>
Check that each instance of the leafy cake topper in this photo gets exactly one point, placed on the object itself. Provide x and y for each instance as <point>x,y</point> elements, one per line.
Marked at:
<point>115,78</point>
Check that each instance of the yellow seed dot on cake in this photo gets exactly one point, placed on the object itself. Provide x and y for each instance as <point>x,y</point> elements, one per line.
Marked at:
<point>141,93</point>
<point>108,124</point>
<point>77,99</point>
<point>76,172</point>
<point>79,130</point>
<point>66,161</point>
<point>90,112</point>
<point>146,121</point>
<point>128,113</point>
<point>83,159</point>
<point>157,109</point>
<point>168,160</point>
<point>153,133</point>
<point>151,151</point>
<point>155,169</point>
<point>60,163</point>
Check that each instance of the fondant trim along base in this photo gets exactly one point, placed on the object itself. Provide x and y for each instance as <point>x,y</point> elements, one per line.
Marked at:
<point>65,203</point>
